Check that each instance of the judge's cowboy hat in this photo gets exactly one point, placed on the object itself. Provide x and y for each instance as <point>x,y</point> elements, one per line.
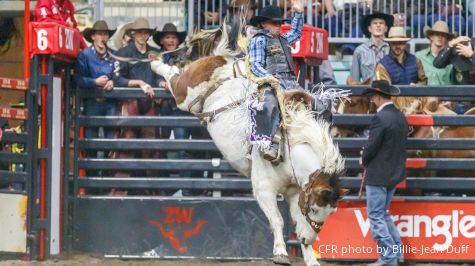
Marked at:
<point>440,27</point>
<point>268,13</point>
<point>99,25</point>
<point>169,28</point>
<point>366,21</point>
<point>397,34</point>
<point>381,87</point>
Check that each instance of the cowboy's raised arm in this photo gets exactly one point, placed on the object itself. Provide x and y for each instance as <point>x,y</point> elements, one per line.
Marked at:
<point>297,23</point>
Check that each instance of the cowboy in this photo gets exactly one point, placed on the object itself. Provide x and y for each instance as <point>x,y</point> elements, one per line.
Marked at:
<point>438,36</point>
<point>400,67</point>
<point>59,11</point>
<point>460,54</point>
<point>137,74</point>
<point>384,159</point>
<point>270,56</point>
<point>368,54</point>
<point>95,68</point>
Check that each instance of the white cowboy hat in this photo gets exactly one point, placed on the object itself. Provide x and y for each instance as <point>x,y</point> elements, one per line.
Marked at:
<point>397,34</point>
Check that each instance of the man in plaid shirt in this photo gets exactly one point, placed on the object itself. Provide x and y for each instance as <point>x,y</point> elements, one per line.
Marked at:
<point>270,55</point>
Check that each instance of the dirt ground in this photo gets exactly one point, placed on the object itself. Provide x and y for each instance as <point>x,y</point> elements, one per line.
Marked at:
<point>80,260</point>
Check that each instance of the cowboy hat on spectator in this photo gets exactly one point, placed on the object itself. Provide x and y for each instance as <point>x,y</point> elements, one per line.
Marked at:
<point>366,21</point>
<point>141,24</point>
<point>99,25</point>
<point>118,37</point>
<point>268,13</point>
<point>440,27</point>
<point>382,87</point>
<point>169,28</point>
<point>397,34</point>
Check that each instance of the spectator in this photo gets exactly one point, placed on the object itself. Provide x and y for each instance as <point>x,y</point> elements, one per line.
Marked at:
<point>384,159</point>
<point>59,11</point>
<point>400,67</point>
<point>169,39</point>
<point>211,13</point>
<point>326,74</point>
<point>137,74</point>
<point>95,68</point>
<point>367,55</point>
<point>438,36</point>
<point>461,55</point>
<point>237,9</point>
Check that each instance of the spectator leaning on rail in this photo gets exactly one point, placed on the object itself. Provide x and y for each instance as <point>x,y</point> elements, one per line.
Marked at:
<point>95,69</point>
<point>460,54</point>
<point>368,54</point>
<point>169,38</point>
<point>400,67</point>
<point>132,73</point>
<point>270,56</point>
<point>384,159</point>
<point>59,11</point>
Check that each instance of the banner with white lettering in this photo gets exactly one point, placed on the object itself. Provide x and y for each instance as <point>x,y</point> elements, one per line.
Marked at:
<point>429,231</point>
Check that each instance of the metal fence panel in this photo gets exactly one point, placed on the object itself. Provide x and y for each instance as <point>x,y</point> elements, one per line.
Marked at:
<point>158,227</point>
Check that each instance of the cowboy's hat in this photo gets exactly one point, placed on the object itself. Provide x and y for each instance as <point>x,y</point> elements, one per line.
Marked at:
<point>169,28</point>
<point>397,34</point>
<point>123,29</point>
<point>268,13</point>
<point>366,21</point>
<point>99,25</point>
<point>382,87</point>
<point>439,27</point>
<point>141,24</point>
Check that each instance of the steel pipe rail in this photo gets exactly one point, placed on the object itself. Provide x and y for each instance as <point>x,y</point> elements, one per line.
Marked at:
<point>223,165</point>
<point>208,145</point>
<point>339,120</point>
<point>435,183</point>
<point>356,90</point>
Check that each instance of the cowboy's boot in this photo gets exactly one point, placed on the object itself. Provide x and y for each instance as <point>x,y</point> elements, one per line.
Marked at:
<point>273,153</point>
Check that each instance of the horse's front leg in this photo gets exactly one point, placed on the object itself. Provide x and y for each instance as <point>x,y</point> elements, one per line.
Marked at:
<point>304,231</point>
<point>266,196</point>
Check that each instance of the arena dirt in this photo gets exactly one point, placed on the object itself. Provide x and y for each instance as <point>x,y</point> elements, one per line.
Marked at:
<point>80,260</point>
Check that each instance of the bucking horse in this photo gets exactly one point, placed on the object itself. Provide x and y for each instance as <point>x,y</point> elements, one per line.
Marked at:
<point>212,89</point>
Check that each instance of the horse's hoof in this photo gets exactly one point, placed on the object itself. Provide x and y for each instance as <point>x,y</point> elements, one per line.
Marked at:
<point>281,260</point>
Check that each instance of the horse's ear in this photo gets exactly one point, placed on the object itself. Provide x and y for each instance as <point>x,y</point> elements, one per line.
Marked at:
<point>319,189</point>
<point>343,191</point>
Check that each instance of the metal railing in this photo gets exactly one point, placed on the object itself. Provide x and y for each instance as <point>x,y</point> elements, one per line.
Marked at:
<point>342,19</point>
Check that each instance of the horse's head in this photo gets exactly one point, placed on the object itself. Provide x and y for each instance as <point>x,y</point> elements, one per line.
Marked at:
<point>320,196</point>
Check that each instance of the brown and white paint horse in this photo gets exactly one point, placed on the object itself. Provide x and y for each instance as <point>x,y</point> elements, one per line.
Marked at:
<point>312,162</point>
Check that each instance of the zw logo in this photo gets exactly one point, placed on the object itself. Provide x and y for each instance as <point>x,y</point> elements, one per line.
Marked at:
<point>176,226</point>
<point>69,36</point>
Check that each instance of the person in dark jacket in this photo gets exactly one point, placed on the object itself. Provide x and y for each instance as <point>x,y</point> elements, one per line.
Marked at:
<point>95,68</point>
<point>384,159</point>
<point>460,53</point>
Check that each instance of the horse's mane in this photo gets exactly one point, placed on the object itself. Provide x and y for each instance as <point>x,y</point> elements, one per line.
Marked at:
<point>304,128</point>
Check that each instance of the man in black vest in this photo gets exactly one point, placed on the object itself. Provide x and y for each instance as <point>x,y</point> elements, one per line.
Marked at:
<point>270,56</point>
<point>384,159</point>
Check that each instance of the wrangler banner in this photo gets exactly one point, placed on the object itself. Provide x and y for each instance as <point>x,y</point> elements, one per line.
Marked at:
<point>429,231</point>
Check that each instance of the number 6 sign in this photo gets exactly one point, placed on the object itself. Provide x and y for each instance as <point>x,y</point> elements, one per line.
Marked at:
<point>52,38</point>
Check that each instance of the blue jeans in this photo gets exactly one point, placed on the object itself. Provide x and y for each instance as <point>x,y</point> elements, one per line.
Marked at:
<point>168,108</point>
<point>383,229</point>
<point>95,108</point>
<point>98,108</point>
<point>470,26</point>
